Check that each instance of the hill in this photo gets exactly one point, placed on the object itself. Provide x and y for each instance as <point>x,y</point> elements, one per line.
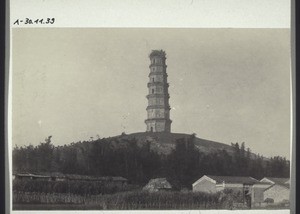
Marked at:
<point>164,142</point>
<point>182,158</point>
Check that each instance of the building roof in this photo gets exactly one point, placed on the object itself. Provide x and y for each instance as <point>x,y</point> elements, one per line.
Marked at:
<point>286,186</point>
<point>157,183</point>
<point>277,180</point>
<point>233,179</point>
<point>159,53</point>
<point>94,178</point>
<point>119,178</point>
<point>73,176</point>
<point>31,175</point>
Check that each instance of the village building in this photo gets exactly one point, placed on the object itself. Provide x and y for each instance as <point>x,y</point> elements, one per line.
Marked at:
<point>158,184</point>
<point>213,184</point>
<point>29,176</point>
<point>257,195</point>
<point>272,180</point>
<point>250,189</point>
<point>158,109</point>
<point>115,180</point>
<point>278,191</point>
<point>260,192</point>
<point>277,194</point>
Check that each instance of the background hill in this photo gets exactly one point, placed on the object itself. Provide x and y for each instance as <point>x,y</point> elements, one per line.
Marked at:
<point>139,157</point>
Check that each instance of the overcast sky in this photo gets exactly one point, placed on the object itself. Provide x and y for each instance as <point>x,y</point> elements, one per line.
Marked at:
<point>226,85</point>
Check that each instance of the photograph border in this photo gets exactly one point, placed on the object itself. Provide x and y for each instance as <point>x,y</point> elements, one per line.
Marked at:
<point>293,106</point>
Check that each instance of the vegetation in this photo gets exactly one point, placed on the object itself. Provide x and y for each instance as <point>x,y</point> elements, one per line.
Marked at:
<point>77,187</point>
<point>134,200</point>
<point>124,157</point>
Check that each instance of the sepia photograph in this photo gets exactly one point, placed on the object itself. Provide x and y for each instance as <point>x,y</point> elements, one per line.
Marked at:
<point>151,118</point>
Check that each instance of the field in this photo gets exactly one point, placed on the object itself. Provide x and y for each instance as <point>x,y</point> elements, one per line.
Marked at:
<point>135,200</point>
<point>90,195</point>
<point>124,201</point>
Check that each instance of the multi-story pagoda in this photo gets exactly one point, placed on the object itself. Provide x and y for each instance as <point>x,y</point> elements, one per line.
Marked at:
<point>158,109</point>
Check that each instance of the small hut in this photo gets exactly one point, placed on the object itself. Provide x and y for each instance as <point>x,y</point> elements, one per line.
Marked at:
<point>157,184</point>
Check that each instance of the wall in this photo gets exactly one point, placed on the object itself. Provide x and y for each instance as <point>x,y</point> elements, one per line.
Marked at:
<point>205,186</point>
<point>156,101</point>
<point>157,113</point>
<point>257,196</point>
<point>158,126</point>
<point>278,193</point>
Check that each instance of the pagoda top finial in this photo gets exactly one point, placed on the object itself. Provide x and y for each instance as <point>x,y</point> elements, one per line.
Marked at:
<point>159,53</point>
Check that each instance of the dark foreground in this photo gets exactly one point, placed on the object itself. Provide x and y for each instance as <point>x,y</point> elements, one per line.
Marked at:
<point>91,207</point>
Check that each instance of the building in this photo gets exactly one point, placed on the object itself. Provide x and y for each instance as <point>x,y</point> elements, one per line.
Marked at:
<point>277,194</point>
<point>213,184</point>
<point>257,195</point>
<point>158,109</point>
<point>250,189</point>
<point>115,180</point>
<point>278,191</point>
<point>260,193</point>
<point>272,180</point>
<point>158,184</point>
<point>28,176</point>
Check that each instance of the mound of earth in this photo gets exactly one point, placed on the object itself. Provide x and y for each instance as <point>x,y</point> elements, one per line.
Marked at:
<point>164,143</point>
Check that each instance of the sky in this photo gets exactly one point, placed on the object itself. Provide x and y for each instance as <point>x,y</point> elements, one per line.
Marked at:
<point>226,85</point>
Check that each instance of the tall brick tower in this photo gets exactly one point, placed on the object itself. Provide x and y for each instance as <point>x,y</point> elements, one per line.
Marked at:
<point>158,109</point>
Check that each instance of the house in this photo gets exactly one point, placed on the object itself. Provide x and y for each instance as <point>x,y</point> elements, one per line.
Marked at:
<point>251,190</point>
<point>272,180</point>
<point>28,176</point>
<point>278,191</point>
<point>117,180</point>
<point>257,194</point>
<point>213,184</point>
<point>157,184</point>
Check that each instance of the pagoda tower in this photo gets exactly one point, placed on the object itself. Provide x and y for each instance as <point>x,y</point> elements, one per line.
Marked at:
<point>158,109</point>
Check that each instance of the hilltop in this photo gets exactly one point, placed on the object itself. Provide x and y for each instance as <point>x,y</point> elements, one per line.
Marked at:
<point>164,142</point>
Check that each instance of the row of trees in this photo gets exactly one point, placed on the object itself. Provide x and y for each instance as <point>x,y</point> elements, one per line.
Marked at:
<point>182,166</point>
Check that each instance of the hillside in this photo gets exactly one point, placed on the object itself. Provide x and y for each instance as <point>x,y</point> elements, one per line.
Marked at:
<point>142,156</point>
<point>164,143</point>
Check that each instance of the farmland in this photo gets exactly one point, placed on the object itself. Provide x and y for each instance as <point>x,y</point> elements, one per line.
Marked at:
<point>124,201</point>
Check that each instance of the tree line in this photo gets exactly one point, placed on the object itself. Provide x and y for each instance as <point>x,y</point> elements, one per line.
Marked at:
<point>138,163</point>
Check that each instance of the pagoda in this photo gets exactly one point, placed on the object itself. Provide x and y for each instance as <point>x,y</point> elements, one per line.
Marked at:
<point>158,109</point>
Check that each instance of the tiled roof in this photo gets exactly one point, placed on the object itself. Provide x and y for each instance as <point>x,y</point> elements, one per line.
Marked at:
<point>73,176</point>
<point>160,53</point>
<point>158,183</point>
<point>283,185</point>
<point>278,180</point>
<point>86,177</point>
<point>32,175</point>
<point>233,179</point>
